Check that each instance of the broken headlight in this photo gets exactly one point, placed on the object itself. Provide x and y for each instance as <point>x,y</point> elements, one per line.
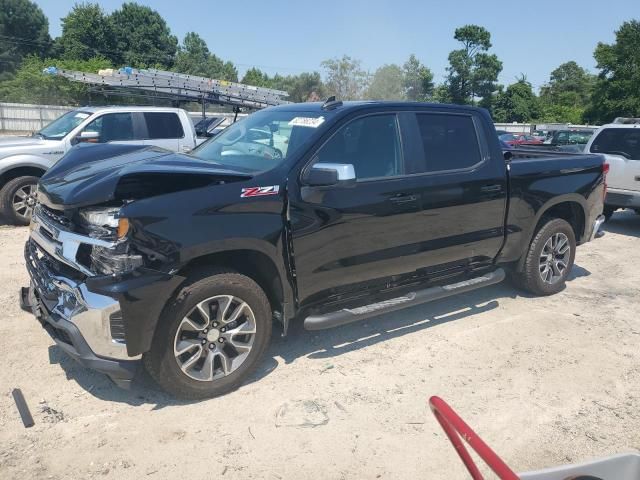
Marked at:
<point>108,261</point>
<point>105,223</point>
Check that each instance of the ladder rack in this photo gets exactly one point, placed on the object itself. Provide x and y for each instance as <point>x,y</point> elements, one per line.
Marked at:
<point>179,86</point>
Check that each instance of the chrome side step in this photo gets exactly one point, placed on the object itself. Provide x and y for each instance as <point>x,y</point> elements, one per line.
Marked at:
<point>348,315</point>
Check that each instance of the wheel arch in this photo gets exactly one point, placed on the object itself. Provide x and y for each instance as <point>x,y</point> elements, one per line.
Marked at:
<point>254,264</point>
<point>570,208</point>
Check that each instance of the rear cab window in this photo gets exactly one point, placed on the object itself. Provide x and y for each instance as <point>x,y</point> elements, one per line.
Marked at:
<point>447,142</point>
<point>618,141</point>
<point>163,125</point>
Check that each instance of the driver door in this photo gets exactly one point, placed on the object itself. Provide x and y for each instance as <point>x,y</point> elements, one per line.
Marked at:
<point>346,238</point>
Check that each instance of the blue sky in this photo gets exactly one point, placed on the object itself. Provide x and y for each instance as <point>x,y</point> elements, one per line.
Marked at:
<point>296,35</point>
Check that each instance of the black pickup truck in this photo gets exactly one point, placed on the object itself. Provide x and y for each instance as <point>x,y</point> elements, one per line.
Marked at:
<point>321,213</point>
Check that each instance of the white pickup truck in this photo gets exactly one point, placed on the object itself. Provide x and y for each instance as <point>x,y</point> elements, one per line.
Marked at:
<point>619,142</point>
<point>24,159</point>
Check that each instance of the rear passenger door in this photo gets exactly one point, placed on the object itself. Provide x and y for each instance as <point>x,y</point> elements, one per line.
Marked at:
<point>462,190</point>
<point>164,129</point>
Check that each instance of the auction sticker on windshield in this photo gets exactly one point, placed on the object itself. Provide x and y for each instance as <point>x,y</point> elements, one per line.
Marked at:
<point>313,122</point>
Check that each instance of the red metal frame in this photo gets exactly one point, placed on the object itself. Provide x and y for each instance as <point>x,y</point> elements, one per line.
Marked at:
<point>454,426</point>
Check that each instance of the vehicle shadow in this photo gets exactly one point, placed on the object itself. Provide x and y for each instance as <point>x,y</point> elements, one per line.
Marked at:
<point>317,345</point>
<point>626,222</point>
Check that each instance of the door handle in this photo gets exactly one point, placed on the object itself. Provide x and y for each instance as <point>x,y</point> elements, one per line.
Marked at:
<point>491,188</point>
<point>401,198</point>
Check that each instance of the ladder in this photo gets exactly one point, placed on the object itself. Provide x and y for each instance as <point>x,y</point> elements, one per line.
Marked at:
<point>179,86</point>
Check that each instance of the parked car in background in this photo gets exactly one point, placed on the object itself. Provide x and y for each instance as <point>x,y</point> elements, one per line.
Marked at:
<point>619,142</point>
<point>519,139</point>
<point>570,137</point>
<point>25,159</point>
<point>182,262</point>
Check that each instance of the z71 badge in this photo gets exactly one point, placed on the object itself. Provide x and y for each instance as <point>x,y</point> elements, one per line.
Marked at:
<point>260,191</point>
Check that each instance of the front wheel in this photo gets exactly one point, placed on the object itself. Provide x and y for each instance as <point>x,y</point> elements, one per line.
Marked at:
<point>211,336</point>
<point>17,199</point>
<point>549,259</point>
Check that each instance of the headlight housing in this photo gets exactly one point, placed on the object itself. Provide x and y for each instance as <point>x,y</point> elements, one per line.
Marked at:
<point>105,223</point>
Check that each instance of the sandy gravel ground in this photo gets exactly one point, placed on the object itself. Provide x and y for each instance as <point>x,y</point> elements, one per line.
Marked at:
<point>544,380</point>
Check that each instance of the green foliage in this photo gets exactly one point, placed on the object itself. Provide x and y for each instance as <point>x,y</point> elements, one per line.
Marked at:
<point>87,32</point>
<point>24,30</point>
<point>387,84</point>
<point>345,78</point>
<point>517,103</point>
<point>143,38</point>
<point>564,98</point>
<point>418,81</point>
<point>617,90</point>
<point>30,85</point>
<point>472,72</point>
<point>304,87</point>
<point>194,58</point>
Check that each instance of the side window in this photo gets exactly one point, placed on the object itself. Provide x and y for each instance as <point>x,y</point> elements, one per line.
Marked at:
<point>449,142</point>
<point>371,144</point>
<point>163,125</point>
<point>618,141</point>
<point>112,127</point>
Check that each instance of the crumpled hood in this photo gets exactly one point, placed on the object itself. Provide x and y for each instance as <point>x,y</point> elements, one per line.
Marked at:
<point>96,174</point>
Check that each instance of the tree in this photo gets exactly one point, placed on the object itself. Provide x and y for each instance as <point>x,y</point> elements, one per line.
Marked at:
<point>345,78</point>
<point>472,72</point>
<point>86,33</point>
<point>517,103</point>
<point>257,78</point>
<point>305,87</point>
<point>418,81</point>
<point>617,90</point>
<point>143,37</point>
<point>387,84</point>
<point>24,30</point>
<point>30,85</point>
<point>194,58</point>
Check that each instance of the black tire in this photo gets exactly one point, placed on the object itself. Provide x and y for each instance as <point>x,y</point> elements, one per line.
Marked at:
<point>160,361</point>
<point>530,278</point>
<point>7,195</point>
<point>608,212</point>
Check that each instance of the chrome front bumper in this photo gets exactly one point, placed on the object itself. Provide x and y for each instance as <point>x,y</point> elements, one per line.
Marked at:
<point>60,294</point>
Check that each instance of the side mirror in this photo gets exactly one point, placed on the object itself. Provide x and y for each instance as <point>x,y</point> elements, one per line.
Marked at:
<point>327,174</point>
<point>88,136</point>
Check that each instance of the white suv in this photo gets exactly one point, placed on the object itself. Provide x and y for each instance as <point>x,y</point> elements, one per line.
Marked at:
<point>619,142</point>
<point>24,159</point>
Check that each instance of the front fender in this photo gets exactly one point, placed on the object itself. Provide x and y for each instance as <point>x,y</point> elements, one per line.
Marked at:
<point>24,160</point>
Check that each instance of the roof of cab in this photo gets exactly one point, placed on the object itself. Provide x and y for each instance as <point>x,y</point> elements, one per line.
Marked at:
<point>364,104</point>
<point>127,108</point>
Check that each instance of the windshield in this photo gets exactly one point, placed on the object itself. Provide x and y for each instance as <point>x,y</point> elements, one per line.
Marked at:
<point>618,141</point>
<point>507,137</point>
<point>260,141</point>
<point>60,127</point>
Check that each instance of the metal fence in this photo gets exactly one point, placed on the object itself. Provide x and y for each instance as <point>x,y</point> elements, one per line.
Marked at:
<point>22,117</point>
<point>17,118</point>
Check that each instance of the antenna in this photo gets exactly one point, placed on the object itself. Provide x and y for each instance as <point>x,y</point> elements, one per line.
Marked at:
<point>331,103</point>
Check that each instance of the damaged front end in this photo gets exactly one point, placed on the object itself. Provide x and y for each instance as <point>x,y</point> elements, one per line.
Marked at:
<point>90,288</point>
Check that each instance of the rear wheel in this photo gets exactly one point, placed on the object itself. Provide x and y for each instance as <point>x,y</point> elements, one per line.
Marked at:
<point>17,199</point>
<point>211,336</point>
<point>549,259</point>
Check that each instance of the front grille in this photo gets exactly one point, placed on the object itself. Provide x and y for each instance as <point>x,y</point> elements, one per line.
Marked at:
<point>42,266</point>
<point>57,216</point>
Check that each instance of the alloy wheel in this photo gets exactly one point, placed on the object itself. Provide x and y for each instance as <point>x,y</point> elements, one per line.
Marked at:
<point>554,258</point>
<point>215,338</point>
<point>24,199</point>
